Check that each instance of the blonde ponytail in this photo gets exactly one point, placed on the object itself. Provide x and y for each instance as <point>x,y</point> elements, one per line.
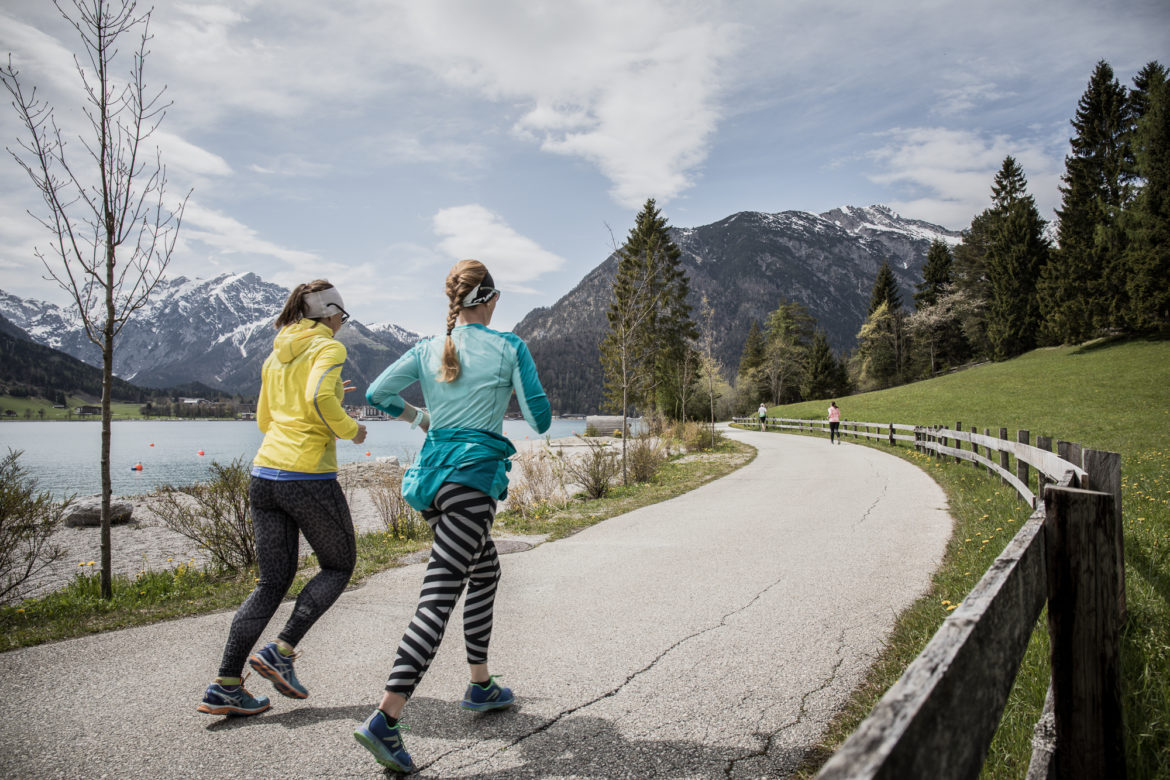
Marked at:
<point>462,279</point>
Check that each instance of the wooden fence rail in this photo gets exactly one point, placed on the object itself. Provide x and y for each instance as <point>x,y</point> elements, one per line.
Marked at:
<point>939,718</point>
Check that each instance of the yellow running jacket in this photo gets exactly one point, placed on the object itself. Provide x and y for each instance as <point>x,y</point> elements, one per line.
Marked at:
<point>300,408</point>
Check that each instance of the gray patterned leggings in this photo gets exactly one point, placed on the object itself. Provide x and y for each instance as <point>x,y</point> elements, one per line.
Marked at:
<point>463,555</point>
<point>281,511</point>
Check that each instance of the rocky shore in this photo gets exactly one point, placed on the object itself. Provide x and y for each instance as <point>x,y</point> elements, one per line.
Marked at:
<point>146,543</point>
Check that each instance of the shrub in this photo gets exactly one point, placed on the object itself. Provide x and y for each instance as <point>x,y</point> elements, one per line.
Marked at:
<point>539,483</point>
<point>591,430</point>
<point>400,518</point>
<point>214,514</point>
<point>27,522</point>
<point>594,470</point>
<point>697,437</point>
<point>644,456</point>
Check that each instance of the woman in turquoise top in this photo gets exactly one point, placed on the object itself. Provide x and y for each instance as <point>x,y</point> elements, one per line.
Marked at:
<point>467,380</point>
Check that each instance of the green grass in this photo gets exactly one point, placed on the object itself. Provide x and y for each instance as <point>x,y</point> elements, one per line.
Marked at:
<point>1105,396</point>
<point>185,591</point>
<point>41,409</point>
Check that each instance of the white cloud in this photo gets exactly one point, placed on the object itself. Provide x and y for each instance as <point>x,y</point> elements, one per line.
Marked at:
<point>946,175</point>
<point>472,231</point>
<point>229,236</point>
<point>634,90</point>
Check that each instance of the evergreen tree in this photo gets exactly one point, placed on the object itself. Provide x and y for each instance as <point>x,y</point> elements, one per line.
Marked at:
<point>824,375</point>
<point>751,388</point>
<point>936,324</point>
<point>753,349</point>
<point>1016,254</point>
<point>1147,221</point>
<point>972,282</point>
<point>1082,289</point>
<point>885,290</point>
<point>788,332</point>
<point>881,349</point>
<point>936,274</point>
<point>652,283</point>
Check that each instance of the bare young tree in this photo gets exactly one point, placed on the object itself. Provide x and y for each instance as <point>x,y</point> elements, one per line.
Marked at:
<point>710,364</point>
<point>112,235</point>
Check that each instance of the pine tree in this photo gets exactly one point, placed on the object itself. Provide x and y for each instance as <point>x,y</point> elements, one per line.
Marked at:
<point>751,358</point>
<point>661,343</point>
<point>787,335</point>
<point>1016,255</point>
<point>885,290</point>
<point>1147,221</point>
<point>936,274</point>
<point>972,282</point>
<point>824,374</point>
<point>1082,289</point>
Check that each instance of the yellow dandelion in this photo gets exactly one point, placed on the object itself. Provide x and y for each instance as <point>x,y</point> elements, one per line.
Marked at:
<point>951,607</point>
<point>20,611</point>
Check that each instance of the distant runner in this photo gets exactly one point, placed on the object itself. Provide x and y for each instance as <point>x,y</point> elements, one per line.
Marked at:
<point>763,412</point>
<point>834,422</point>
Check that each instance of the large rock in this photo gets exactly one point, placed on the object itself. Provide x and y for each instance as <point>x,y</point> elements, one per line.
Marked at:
<point>88,512</point>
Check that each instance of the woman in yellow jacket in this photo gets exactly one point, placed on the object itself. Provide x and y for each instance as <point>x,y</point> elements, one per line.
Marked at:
<point>293,491</point>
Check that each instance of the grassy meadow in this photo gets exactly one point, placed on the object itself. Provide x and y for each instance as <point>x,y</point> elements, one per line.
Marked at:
<point>1104,396</point>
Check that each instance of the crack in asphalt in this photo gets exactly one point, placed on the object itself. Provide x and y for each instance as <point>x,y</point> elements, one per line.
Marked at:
<point>865,515</point>
<point>766,749</point>
<point>556,719</point>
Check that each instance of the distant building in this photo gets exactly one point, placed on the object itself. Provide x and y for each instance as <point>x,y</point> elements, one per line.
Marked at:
<point>88,410</point>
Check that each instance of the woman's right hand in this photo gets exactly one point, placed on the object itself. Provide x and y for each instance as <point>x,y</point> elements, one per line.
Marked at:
<point>360,436</point>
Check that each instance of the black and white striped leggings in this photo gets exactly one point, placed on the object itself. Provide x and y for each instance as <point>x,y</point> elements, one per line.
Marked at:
<point>463,555</point>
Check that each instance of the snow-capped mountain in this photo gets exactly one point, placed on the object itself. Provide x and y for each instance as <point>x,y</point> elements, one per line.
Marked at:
<point>745,264</point>
<point>215,331</point>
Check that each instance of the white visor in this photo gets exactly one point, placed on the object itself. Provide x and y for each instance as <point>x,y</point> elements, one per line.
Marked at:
<point>323,303</point>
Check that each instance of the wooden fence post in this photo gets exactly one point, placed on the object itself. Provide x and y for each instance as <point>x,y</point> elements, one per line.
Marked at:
<point>958,442</point>
<point>1003,454</point>
<point>891,434</point>
<point>1044,443</point>
<point>1022,436</point>
<point>974,448</point>
<point>1069,451</point>
<point>1080,529</point>
<point>1104,470</point>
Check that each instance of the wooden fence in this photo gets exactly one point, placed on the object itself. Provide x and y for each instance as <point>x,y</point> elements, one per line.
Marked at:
<point>939,718</point>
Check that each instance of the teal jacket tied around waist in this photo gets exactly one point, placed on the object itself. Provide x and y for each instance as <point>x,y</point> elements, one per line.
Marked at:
<point>478,459</point>
<point>466,442</point>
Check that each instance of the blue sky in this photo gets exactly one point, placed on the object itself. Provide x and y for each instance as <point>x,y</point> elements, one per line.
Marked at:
<point>375,142</point>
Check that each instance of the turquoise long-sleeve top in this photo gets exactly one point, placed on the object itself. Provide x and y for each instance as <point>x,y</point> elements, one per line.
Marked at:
<point>465,443</point>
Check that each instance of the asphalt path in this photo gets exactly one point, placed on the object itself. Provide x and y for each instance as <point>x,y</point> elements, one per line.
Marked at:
<point>712,635</point>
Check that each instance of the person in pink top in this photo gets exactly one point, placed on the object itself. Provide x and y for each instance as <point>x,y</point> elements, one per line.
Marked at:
<point>834,422</point>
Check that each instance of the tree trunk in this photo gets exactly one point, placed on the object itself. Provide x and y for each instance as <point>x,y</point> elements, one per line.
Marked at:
<point>107,389</point>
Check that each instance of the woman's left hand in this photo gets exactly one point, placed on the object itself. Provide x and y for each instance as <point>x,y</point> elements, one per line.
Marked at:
<point>347,386</point>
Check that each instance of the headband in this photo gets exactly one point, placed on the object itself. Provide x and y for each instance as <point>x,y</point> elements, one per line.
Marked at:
<point>481,293</point>
<point>323,303</point>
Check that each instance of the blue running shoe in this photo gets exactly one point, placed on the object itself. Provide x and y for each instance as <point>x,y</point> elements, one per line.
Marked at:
<point>481,698</point>
<point>218,700</point>
<point>385,742</point>
<point>279,670</point>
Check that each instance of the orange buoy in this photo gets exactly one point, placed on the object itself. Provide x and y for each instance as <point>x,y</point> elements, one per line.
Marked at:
<point>200,452</point>
<point>367,453</point>
<point>152,444</point>
<point>136,467</point>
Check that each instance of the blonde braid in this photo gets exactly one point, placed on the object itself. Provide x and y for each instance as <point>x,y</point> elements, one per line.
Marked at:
<point>461,280</point>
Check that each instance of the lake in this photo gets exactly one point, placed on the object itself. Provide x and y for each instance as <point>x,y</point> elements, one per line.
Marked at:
<point>65,457</point>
